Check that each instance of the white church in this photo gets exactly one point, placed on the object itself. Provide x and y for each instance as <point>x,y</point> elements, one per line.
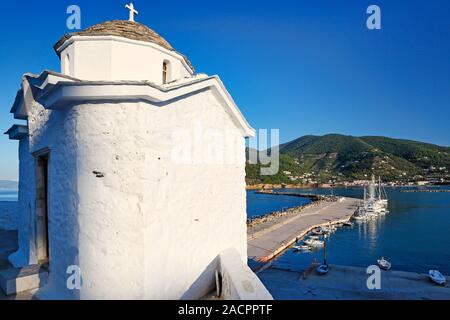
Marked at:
<point>132,169</point>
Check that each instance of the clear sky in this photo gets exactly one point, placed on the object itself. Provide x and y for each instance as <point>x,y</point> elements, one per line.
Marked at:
<point>305,67</point>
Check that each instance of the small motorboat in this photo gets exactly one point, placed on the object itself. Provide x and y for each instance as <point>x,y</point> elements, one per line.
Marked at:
<point>348,224</point>
<point>318,231</point>
<point>329,229</point>
<point>437,277</point>
<point>301,248</point>
<point>322,269</point>
<point>314,237</point>
<point>384,264</point>
<point>362,217</point>
<point>314,243</point>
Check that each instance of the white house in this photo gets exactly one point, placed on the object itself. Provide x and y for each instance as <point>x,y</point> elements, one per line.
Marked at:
<point>132,167</point>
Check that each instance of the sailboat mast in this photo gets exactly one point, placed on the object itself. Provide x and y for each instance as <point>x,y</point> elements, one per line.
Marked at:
<point>379,187</point>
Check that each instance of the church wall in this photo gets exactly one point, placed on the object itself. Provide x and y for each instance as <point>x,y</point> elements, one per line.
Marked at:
<point>136,198</point>
<point>91,60</point>
<point>53,131</point>
<point>148,223</point>
<point>199,208</point>
<point>119,60</point>
<point>132,62</point>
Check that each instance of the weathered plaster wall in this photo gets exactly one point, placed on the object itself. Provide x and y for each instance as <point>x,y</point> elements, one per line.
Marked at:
<point>238,280</point>
<point>8,215</point>
<point>102,58</point>
<point>138,222</point>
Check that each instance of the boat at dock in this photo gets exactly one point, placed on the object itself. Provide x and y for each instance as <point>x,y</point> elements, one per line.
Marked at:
<point>319,231</point>
<point>314,243</point>
<point>347,224</point>
<point>384,264</point>
<point>437,277</point>
<point>322,269</point>
<point>375,202</point>
<point>302,248</point>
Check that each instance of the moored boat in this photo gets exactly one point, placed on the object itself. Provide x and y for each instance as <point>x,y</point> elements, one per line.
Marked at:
<point>384,264</point>
<point>437,277</point>
<point>348,224</point>
<point>318,231</point>
<point>301,248</point>
<point>314,243</point>
<point>322,269</point>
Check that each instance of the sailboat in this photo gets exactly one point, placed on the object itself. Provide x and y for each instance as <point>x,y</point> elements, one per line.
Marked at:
<point>375,201</point>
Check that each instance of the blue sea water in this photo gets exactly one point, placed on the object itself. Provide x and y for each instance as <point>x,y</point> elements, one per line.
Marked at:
<point>414,236</point>
<point>8,195</point>
<point>260,204</point>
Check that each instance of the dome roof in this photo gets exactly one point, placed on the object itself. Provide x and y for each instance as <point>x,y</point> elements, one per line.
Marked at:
<point>122,28</point>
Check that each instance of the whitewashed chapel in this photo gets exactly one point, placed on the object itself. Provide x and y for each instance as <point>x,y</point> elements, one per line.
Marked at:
<point>111,172</point>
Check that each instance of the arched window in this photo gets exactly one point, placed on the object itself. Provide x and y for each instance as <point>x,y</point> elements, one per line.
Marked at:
<point>67,65</point>
<point>165,72</point>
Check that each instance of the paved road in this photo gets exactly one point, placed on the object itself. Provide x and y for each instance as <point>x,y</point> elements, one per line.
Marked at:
<point>264,244</point>
<point>350,283</point>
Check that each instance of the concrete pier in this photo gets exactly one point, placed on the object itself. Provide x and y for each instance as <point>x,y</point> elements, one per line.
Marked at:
<point>268,240</point>
<point>350,283</point>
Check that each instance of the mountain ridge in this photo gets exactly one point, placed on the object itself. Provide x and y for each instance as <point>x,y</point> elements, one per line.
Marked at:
<point>337,157</point>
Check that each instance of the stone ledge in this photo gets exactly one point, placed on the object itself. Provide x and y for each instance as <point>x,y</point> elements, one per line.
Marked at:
<point>238,280</point>
<point>14,281</point>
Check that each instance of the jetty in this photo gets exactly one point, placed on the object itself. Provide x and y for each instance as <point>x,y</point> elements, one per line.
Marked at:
<point>313,197</point>
<point>271,238</point>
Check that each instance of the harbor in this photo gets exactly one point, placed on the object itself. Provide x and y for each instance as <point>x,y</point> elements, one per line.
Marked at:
<point>269,239</point>
<point>287,251</point>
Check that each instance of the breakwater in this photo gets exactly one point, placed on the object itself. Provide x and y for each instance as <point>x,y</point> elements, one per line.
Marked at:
<point>268,239</point>
<point>312,197</point>
<point>269,217</point>
<point>426,190</point>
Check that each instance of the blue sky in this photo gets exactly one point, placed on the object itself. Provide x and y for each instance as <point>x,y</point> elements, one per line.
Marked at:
<point>305,67</point>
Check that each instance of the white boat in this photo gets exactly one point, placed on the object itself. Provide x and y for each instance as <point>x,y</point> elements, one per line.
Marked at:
<point>437,277</point>
<point>322,269</point>
<point>384,264</point>
<point>314,243</point>
<point>319,231</point>
<point>301,248</point>
<point>375,202</point>
<point>361,217</point>
<point>329,229</point>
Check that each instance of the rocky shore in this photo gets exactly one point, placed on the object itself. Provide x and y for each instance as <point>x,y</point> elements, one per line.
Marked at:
<point>280,186</point>
<point>283,213</point>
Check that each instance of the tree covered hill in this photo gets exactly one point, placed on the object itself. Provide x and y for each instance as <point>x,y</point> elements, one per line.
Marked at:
<point>311,159</point>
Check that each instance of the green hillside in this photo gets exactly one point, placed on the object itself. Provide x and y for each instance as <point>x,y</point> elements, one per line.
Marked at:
<point>337,157</point>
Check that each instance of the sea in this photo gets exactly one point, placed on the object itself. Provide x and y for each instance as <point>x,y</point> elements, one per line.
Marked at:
<point>8,195</point>
<point>414,236</point>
